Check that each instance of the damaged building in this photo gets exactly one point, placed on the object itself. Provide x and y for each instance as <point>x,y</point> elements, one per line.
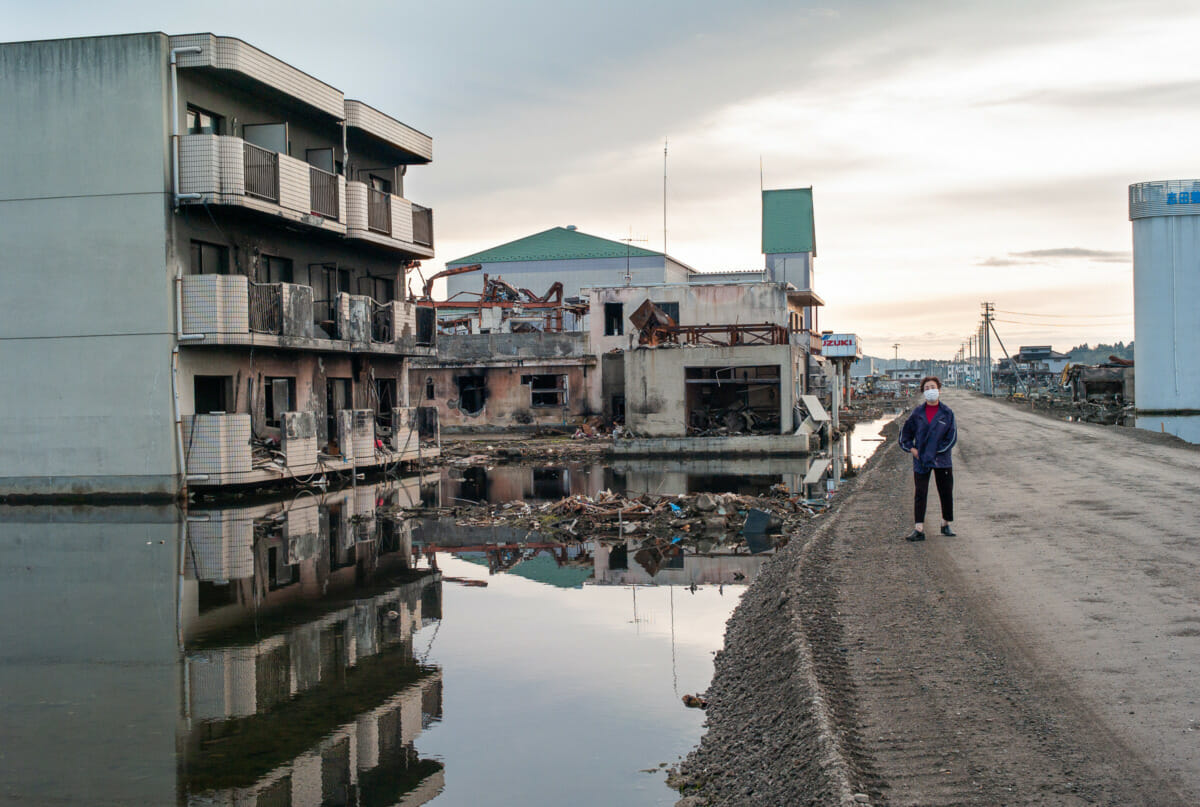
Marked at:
<point>213,270</point>
<point>718,359</point>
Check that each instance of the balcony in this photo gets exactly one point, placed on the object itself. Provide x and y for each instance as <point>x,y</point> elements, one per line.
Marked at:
<point>811,342</point>
<point>231,171</point>
<point>388,220</point>
<point>230,310</point>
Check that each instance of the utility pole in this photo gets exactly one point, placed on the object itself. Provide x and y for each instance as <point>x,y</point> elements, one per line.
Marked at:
<point>896,356</point>
<point>985,352</point>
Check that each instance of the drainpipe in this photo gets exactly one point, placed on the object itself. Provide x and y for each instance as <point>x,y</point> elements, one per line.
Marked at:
<point>175,125</point>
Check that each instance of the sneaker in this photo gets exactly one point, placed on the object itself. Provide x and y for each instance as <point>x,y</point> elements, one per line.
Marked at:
<point>915,535</point>
<point>947,531</point>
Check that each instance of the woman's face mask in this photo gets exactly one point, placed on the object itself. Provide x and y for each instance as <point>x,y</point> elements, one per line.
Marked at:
<point>931,395</point>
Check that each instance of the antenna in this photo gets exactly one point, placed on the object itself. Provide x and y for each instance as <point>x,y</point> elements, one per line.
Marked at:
<point>664,203</point>
<point>628,247</point>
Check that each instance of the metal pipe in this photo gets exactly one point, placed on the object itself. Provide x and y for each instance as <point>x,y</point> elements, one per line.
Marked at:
<point>175,124</point>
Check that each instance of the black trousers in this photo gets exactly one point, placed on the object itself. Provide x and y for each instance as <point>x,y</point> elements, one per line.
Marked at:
<point>944,478</point>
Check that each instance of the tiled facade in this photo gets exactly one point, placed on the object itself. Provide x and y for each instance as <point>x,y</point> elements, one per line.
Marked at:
<point>227,53</point>
<point>373,121</point>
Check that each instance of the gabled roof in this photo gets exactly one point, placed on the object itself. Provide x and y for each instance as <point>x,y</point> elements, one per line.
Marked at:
<point>787,222</point>
<point>556,244</point>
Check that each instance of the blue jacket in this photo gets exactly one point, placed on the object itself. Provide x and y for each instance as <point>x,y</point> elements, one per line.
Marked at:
<point>932,439</point>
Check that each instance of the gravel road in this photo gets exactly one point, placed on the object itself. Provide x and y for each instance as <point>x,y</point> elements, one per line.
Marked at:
<point>1048,655</point>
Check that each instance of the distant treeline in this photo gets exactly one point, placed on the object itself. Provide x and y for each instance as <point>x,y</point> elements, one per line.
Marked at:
<point>1085,354</point>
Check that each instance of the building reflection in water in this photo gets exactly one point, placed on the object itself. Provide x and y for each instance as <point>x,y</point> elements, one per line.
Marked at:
<point>252,655</point>
<point>300,681</point>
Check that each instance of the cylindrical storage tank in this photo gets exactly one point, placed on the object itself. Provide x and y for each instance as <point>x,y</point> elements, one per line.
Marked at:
<point>1166,304</point>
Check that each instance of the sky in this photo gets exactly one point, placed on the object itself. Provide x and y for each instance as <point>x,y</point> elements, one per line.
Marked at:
<point>959,151</point>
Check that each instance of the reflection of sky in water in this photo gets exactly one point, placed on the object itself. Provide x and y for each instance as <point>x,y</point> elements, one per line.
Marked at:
<point>558,696</point>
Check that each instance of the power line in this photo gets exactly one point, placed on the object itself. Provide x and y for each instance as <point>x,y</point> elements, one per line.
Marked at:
<point>1062,316</point>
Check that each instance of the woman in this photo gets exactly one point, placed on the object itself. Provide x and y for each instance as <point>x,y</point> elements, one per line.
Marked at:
<point>929,434</point>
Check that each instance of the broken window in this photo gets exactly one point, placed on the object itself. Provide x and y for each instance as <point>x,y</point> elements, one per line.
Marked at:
<point>276,269</point>
<point>546,390</point>
<point>472,391</point>
<point>209,259</point>
<point>671,310</point>
<point>614,319</point>
<point>279,396</point>
<point>212,394</point>
<point>385,397</point>
<point>733,400</point>
<point>429,388</point>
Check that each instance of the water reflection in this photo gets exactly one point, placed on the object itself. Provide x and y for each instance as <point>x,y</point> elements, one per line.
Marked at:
<point>294,652</point>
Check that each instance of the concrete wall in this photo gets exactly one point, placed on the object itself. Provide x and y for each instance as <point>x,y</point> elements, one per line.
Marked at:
<point>86,338</point>
<point>507,402</point>
<point>715,304</point>
<point>655,388</point>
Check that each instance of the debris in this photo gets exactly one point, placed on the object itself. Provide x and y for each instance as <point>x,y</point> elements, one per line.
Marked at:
<point>694,702</point>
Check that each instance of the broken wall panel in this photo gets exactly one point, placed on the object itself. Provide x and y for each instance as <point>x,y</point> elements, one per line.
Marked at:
<point>656,390</point>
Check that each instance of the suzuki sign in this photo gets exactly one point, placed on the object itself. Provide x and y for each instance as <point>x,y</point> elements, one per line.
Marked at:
<point>840,346</point>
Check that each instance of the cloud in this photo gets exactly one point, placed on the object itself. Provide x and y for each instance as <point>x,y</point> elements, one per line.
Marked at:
<point>1038,256</point>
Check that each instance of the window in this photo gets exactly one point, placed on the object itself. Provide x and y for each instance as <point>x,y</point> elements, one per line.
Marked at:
<point>209,259</point>
<point>212,394</point>
<point>279,396</point>
<point>201,121</point>
<point>614,319</point>
<point>546,390</point>
<point>671,310</point>
<point>379,289</point>
<point>380,184</point>
<point>429,390</point>
<point>276,270</point>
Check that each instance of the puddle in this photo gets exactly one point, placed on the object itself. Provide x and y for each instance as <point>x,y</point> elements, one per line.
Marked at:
<point>305,651</point>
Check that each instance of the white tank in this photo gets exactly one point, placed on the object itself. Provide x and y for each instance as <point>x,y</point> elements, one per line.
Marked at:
<point>1166,304</point>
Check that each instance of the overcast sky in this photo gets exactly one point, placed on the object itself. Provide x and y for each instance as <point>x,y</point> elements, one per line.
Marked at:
<point>959,151</point>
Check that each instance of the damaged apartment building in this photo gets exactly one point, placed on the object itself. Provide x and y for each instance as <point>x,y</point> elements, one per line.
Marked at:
<point>211,269</point>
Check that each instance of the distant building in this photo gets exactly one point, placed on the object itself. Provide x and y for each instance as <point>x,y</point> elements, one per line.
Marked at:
<point>863,367</point>
<point>1042,359</point>
<point>566,255</point>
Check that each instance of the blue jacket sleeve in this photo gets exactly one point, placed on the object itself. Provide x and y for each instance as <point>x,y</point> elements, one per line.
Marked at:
<point>908,434</point>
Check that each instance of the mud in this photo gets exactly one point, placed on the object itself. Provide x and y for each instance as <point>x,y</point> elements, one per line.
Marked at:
<point>968,670</point>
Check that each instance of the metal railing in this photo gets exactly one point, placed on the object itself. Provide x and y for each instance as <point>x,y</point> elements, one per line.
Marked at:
<point>266,308</point>
<point>323,190</point>
<point>379,211</point>
<point>422,225</point>
<point>261,172</point>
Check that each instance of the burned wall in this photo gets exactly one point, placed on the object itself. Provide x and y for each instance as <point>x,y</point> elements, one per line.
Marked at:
<point>475,397</point>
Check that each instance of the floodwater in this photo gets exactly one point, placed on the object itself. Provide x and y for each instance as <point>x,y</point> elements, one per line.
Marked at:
<point>303,651</point>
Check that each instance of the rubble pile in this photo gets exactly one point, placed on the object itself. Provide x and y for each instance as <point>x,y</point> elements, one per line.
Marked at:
<point>703,522</point>
<point>558,449</point>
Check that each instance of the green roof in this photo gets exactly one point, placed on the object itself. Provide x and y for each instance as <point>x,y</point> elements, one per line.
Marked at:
<point>557,244</point>
<point>787,222</point>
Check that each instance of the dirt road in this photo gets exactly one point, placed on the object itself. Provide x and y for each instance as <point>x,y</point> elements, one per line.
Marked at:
<point>1048,655</point>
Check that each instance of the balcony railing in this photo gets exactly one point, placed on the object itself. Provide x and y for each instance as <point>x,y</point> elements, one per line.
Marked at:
<point>266,308</point>
<point>261,172</point>
<point>323,187</point>
<point>422,224</point>
<point>379,211</point>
